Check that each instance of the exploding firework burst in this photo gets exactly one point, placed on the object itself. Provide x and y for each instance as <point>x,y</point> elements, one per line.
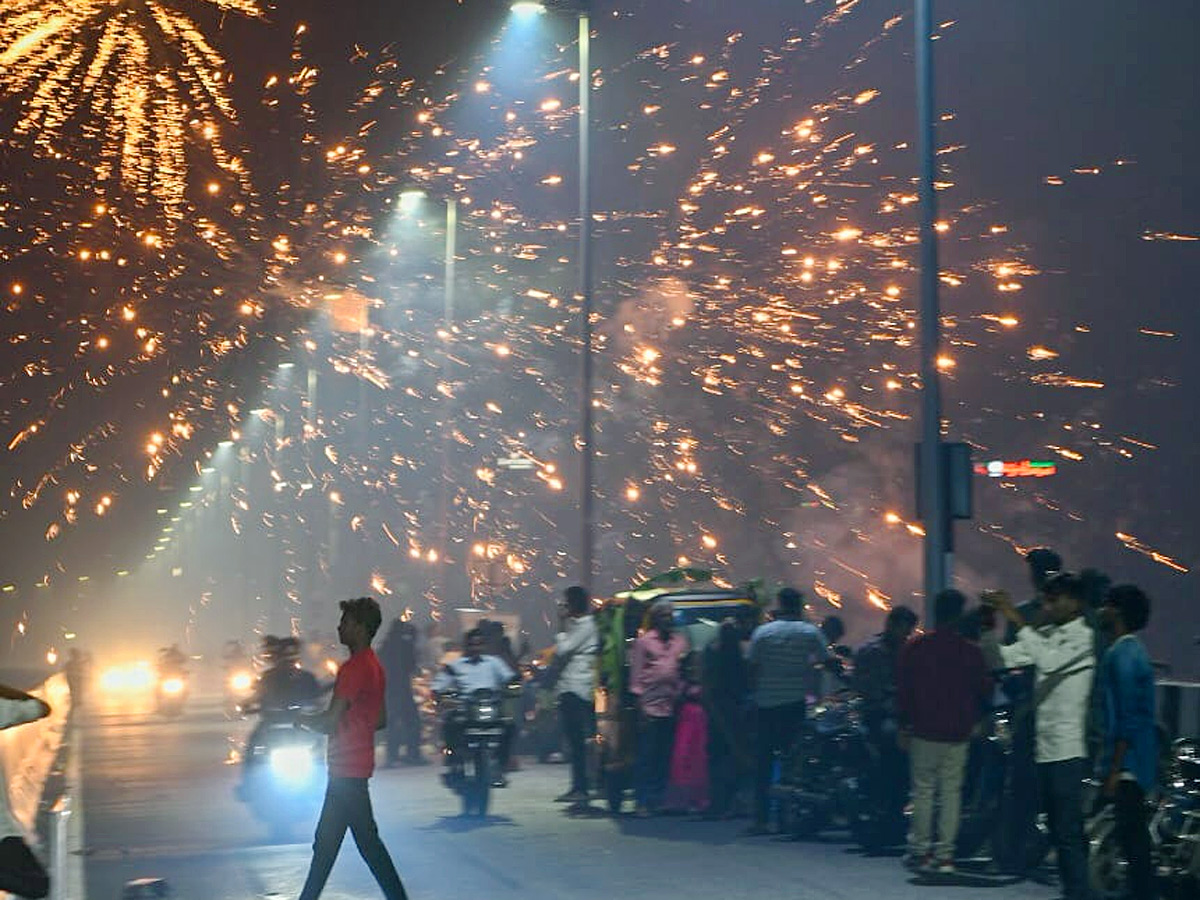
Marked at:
<point>137,77</point>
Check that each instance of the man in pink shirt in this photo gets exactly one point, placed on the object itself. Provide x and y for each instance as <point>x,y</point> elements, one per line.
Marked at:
<point>655,679</point>
<point>355,713</point>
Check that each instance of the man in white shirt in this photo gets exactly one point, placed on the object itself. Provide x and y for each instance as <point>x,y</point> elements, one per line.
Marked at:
<point>575,648</point>
<point>20,871</point>
<point>1062,653</point>
<point>473,671</point>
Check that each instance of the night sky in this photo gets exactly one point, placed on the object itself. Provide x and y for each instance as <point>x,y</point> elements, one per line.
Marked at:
<point>1070,206</point>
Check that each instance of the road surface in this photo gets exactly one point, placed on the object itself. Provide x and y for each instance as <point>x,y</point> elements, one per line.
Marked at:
<point>158,802</point>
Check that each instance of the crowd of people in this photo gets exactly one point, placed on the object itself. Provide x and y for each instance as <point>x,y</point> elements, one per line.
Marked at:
<point>712,726</point>
<point>714,722</point>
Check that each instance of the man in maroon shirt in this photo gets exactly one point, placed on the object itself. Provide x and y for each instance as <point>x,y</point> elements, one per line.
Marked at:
<point>355,713</point>
<point>942,685</point>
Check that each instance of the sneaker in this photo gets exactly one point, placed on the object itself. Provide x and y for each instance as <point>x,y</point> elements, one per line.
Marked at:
<point>917,862</point>
<point>643,812</point>
<point>499,781</point>
<point>572,797</point>
<point>943,867</point>
<point>757,830</point>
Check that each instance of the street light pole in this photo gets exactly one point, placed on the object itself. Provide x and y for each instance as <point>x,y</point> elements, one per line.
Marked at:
<point>586,423</point>
<point>931,462</point>
<point>443,562</point>
<point>451,251</point>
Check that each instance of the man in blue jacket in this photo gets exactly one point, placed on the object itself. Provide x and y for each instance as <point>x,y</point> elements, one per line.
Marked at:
<point>1128,761</point>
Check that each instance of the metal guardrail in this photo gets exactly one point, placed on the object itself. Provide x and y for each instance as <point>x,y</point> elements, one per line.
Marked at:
<point>60,816</point>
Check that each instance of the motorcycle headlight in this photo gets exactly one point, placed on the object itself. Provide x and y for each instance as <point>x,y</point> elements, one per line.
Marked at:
<point>291,764</point>
<point>172,686</point>
<point>241,681</point>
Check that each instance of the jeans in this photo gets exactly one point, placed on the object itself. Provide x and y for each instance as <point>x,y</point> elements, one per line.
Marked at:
<point>888,786</point>
<point>578,719</point>
<point>656,738</point>
<point>1133,835</point>
<point>937,777</point>
<point>778,729</point>
<point>1061,787</point>
<point>348,805</point>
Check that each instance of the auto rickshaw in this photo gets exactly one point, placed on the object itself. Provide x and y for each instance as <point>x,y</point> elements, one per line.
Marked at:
<point>700,608</point>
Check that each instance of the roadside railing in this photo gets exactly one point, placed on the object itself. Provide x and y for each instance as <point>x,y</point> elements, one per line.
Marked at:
<point>28,754</point>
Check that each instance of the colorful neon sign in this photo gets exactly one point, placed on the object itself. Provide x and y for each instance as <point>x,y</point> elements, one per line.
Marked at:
<point>1023,468</point>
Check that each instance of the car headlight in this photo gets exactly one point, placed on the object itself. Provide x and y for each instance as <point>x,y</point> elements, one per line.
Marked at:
<point>172,687</point>
<point>292,764</point>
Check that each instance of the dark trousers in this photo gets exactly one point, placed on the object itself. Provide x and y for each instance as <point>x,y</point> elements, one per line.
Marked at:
<point>655,740</point>
<point>888,787</point>
<point>348,805</point>
<point>724,769</point>
<point>1133,835</point>
<point>778,729</point>
<point>20,871</point>
<point>577,717</point>
<point>1061,788</point>
<point>404,721</point>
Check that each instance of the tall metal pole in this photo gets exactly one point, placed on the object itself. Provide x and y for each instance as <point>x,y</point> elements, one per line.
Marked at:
<point>451,252</point>
<point>444,491</point>
<point>586,509</point>
<point>932,477</point>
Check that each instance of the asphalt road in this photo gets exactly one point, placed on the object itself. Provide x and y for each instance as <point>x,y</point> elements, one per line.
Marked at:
<point>158,802</point>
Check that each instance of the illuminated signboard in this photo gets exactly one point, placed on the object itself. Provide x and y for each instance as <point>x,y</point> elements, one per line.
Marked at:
<point>1023,468</point>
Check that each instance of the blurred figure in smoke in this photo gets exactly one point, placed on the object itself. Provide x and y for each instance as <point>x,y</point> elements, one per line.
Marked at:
<point>398,654</point>
<point>875,668</point>
<point>78,674</point>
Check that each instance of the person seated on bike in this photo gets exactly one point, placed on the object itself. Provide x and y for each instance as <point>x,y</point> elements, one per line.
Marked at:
<point>282,688</point>
<point>172,660</point>
<point>473,671</point>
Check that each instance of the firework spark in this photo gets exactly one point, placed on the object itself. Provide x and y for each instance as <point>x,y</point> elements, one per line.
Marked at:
<point>138,78</point>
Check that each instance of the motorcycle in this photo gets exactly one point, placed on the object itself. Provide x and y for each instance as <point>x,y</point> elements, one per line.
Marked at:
<point>239,690</point>
<point>823,778</point>
<point>284,777</point>
<point>171,693</point>
<point>475,726</point>
<point>1174,825</point>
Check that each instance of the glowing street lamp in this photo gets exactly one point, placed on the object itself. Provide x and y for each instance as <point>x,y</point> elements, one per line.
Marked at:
<point>528,8</point>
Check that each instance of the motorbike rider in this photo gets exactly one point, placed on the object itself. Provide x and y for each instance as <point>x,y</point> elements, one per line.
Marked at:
<point>280,689</point>
<point>172,661</point>
<point>473,671</point>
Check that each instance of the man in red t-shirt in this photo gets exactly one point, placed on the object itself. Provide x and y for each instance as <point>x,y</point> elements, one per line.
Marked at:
<point>355,713</point>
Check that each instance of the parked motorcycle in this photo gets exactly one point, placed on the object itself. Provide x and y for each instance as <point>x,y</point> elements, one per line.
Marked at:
<point>823,780</point>
<point>475,726</point>
<point>1174,831</point>
<point>284,777</point>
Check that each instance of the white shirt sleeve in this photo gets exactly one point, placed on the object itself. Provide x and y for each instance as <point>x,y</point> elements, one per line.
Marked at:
<point>18,712</point>
<point>504,672</point>
<point>443,680</point>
